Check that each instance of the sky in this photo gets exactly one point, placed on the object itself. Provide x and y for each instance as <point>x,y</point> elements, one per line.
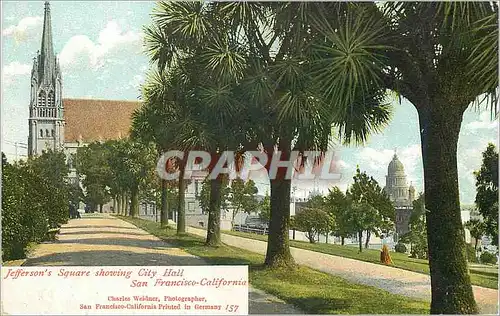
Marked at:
<point>99,45</point>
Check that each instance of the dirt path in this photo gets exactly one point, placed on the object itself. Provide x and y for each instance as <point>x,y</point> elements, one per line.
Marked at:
<point>106,241</point>
<point>394,280</point>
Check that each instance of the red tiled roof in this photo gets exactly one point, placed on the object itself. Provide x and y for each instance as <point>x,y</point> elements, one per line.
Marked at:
<point>92,120</point>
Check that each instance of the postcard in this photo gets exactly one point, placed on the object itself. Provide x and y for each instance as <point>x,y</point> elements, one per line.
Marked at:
<point>234,158</point>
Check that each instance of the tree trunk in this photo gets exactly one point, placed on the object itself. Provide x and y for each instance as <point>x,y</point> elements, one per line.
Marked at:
<point>293,234</point>
<point>233,215</point>
<point>326,236</point>
<point>360,237</point>
<point>475,243</point>
<point>100,208</point>
<point>119,204</point>
<point>450,279</point>
<point>114,204</point>
<point>278,245</point>
<point>134,200</point>
<point>127,204</point>
<point>213,227</point>
<point>368,235</point>
<point>311,237</point>
<point>124,204</point>
<point>342,240</point>
<point>181,214</point>
<point>164,205</point>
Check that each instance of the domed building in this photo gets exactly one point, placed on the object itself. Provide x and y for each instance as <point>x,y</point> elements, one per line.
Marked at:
<point>402,194</point>
<point>396,185</point>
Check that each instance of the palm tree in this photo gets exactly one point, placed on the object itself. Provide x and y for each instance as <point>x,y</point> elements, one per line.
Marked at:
<point>152,123</point>
<point>209,119</point>
<point>264,50</point>
<point>284,100</point>
<point>442,57</point>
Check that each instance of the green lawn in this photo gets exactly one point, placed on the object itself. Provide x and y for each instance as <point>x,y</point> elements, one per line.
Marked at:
<point>479,276</point>
<point>312,291</point>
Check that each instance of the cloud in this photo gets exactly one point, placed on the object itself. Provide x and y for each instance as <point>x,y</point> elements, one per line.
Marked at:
<point>374,158</point>
<point>25,29</point>
<point>13,70</point>
<point>136,81</point>
<point>81,51</point>
<point>485,122</point>
<point>375,162</point>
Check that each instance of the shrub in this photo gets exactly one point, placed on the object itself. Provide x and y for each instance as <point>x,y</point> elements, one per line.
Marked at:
<point>488,257</point>
<point>400,247</point>
<point>419,251</point>
<point>471,254</point>
<point>34,199</point>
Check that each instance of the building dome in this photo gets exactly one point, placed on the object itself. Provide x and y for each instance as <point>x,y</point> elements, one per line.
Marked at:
<point>395,166</point>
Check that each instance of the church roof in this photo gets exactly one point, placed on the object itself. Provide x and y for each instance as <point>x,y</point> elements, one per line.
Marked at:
<point>93,120</point>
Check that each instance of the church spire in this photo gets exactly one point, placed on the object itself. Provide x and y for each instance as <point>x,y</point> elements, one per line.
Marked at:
<point>47,57</point>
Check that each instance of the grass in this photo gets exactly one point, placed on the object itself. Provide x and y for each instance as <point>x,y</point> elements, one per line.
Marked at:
<point>479,276</point>
<point>311,291</point>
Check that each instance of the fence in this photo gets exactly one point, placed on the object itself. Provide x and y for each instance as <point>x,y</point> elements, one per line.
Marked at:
<point>248,229</point>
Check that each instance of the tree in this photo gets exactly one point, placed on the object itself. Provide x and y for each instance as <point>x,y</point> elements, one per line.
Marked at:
<point>94,171</point>
<point>265,208</point>
<point>313,222</point>
<point>417,235</point>
<point>35,198</point>
<point>204,195</point>
<point>338,205</point>
<point>487,191</point>
<point>209,106</point>
<point>264,51</point>
<point>280,73</point>
<point>366,190</point>
<point>477,230</point>
<point>52,169</point>
<point>152,123</point>
<point>442,57</point>
<point>137,163</point>
<point>242,197</point>
<point>361,217</point>
<point>165,93</point>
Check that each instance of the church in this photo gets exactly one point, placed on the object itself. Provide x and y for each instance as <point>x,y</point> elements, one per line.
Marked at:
<point>66,124</point>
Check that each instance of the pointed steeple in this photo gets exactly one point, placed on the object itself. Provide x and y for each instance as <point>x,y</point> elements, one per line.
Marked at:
<point>47,62</point>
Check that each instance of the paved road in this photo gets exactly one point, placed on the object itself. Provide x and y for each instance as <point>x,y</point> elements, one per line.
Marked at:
<point>103,240</point>
<point>394,280</point>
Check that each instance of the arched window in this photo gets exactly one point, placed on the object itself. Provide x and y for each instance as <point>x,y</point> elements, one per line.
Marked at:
<point>51,99</point>
<point>41,99</point>
<point>41,132</point>
<point>53,133</point>
<point>46,133</point>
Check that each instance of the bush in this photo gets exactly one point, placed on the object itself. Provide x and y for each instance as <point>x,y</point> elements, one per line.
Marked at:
<point>34,199</point>
<point>400,247</point>
<point>419,251</point>
<point>488,257</point>
<point>471,254</point>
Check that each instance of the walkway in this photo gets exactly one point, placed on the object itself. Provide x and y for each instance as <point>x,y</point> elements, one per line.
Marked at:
<point>394,280</point>
<point>101,240</point>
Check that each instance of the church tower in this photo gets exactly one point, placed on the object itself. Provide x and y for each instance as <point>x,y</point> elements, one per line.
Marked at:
<point>46,120</point>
